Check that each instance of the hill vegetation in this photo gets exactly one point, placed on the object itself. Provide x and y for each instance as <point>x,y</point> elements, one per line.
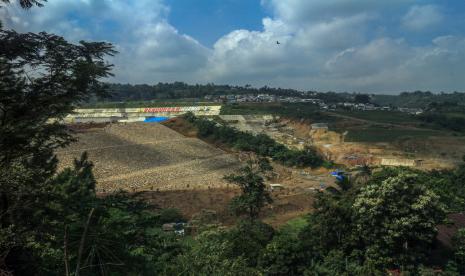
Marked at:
<point>180,90</point>
<point>260,144</point>
<point>419,99</point>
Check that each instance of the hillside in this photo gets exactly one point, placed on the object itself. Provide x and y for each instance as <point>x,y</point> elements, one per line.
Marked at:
<point>143,156</point>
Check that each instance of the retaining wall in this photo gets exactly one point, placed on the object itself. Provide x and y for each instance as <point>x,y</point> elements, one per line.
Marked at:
<point>84,115</point>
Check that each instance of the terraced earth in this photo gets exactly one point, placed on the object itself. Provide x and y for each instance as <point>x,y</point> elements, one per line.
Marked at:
<point>147,156</point>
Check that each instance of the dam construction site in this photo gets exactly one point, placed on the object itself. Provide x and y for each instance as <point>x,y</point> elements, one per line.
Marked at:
<point>150,150</point>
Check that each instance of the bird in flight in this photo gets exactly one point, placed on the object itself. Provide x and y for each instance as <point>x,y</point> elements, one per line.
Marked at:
<point>277,42</point>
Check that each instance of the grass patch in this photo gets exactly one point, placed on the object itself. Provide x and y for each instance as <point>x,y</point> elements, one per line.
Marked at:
<point>376,135</point>
<point>294,226</point>
<point>379,116</point>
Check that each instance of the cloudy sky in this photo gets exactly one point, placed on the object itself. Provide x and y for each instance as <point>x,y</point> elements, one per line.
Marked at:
<point>340,45</point>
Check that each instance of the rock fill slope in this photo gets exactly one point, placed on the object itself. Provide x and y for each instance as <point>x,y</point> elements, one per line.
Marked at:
<point>147,156</point>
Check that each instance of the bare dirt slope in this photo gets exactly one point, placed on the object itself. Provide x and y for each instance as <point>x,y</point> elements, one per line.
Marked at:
<point>146,156</point>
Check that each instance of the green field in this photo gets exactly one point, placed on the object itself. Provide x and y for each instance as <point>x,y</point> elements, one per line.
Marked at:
<point>385,117</point>
<point>374,135</point>
<point>386,126</point>
<point>294,226</point>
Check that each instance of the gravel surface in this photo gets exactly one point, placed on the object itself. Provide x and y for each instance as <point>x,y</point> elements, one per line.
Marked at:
<point>145,156</point>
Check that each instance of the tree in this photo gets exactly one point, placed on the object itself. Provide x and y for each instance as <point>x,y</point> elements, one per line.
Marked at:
<point>248,239</point>
<point>254,194</point>
<point>362,174</point>
<point>42,79</point>
<point>330,226</point>
<point>396,219</point>
<point>170,215</point>
<point>362,98</point>
<point>26,4</point>
<point>284,255</point>
<point>459,249</point>
<point>210,255</point>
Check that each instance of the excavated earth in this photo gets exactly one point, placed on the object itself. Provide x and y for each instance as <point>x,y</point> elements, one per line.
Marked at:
<point>149,157</point>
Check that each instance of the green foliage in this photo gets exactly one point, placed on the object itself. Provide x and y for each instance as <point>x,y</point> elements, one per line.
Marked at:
<point>295,111</point>
<point>330,225</point>
<point>260,144</point>
<point>209,255</point>
<point>419,99</point>
<point>444,120</point>
<point>248,239</point>
<point>362,98</point>
<point>294,226</point>
<point>376,134</point>
<point>254,194</point>
<point>123,238</point>
<point>381,116</point>
<point>451,269</point>
<point>337,263</point>
<point>284,255</point>
<point>67,74</point>
<point>31,196</point>
<point>26,4</point>
<point>53,223</point>
<point>389,222</point>
<point>396,220</point>
<point>180,90</point>
<point>459,250</point>
<point>170,215</point>
<point>447,184</point>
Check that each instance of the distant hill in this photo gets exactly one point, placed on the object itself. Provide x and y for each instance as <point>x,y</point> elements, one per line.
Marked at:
<point>419,99</point>
<point>180,90</point>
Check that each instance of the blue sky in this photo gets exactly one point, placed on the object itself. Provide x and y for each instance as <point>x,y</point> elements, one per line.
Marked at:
<point>208,20</point>
<point>326,45</point>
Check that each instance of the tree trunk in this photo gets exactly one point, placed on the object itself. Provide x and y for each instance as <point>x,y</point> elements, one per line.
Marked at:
<point>83,241</point>
<point>65,249</point>
<point>4,211</point>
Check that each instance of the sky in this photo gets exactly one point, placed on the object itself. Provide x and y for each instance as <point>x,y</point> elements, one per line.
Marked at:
<point>368,46</point>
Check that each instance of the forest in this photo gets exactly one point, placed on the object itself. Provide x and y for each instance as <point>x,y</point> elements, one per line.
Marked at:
<point>180,90</point>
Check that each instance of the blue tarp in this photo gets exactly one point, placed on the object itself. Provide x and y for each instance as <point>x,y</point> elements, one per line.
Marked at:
<point>155,119</point>
<point>338,174</point>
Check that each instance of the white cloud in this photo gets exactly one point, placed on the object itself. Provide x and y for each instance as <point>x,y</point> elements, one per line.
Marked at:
<point>324,44</point>
<point>298,11</point>
<point>419,18</point>
<point>160,53</point>
<point>150,49</point>
<point>332,45</point>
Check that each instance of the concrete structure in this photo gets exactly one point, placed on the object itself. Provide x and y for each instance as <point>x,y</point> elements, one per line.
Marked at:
<point>100,115</point>
<point>400,162</point>
<point>320,126</point>
<point>276,187</point>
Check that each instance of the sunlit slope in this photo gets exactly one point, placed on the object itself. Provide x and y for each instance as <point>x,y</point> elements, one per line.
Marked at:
<point>144,156</point>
